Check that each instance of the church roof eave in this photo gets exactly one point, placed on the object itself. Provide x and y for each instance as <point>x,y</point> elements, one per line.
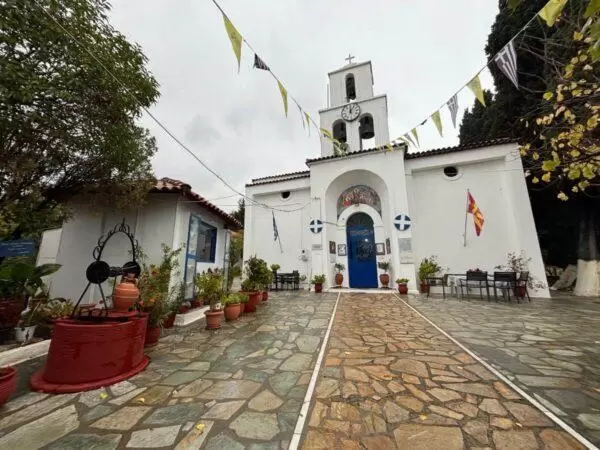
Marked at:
<point>279,178</point>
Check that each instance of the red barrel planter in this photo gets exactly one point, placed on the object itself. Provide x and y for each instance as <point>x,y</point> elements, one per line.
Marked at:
<point>85,355</point>
<point>8,383</point>
<point>254,299</point>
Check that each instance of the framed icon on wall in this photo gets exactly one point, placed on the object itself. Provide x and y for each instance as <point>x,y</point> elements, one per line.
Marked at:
<point>388,246</point>
<point>332,247</point>
<point>380,248</point>
<point>341,249</point>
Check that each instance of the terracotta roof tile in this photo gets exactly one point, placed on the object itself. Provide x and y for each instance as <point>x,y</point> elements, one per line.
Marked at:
<point>170,185</point>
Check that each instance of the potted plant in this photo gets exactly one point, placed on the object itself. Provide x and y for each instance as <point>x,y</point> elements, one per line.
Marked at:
<point>158,313</point>
<point>384,278</point>
<point>267,277</point>
<point>174,306</point>
<point>25,330</point>
<point>19,280</point>
<point>254,278</point>
<point>210,285</point>
<point>275,268</point>
<point>318,281</point>
<point>402,285</point>
<point>339,276</point>
<point>519,263</point>
<point>232,304</point>
<point>243,301</point>
<point>429,267</point>
<point>8,383</point>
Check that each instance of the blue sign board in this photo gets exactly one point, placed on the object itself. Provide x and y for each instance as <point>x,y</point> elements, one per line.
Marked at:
<point>21,247</point>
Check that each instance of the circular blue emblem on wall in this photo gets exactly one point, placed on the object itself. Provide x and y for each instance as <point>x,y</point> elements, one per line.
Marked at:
<point>316,226</point>
<point>402,222</point>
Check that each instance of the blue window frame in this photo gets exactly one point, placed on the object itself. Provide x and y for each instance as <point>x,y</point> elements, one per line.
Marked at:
<point>201,247</point>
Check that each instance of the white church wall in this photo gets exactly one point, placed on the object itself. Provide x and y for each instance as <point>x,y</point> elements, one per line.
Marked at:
<point>381,171</point>
<point>495,178</point>
<point>292,218</point>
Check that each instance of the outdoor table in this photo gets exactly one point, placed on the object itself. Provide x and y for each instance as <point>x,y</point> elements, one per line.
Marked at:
<point>454,283</point>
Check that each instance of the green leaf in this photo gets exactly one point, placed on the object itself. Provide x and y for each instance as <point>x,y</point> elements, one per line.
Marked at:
<point>592,8</point>
<point>549,166</point>
<point>513,4</point>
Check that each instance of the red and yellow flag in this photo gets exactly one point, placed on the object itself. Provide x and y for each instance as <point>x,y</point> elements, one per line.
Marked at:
<point>472,208</point>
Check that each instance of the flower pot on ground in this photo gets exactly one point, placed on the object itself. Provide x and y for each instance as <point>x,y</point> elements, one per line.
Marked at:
<point>19,280</point>
<point>184,309</point>
<point>339,277</point>
<point>169,321</point>
<point>196,303</point>
<point>428,268</point>
<point>318,281</point>
<point>402,286</point>
<point>254,299</point>
<point>152,335</point>
<point>243,301</point>
<point>384,278</point>
<point>210,285</point>
<point>8,383</point>
<point>24,334</point>
<point>213,319</point>
<point>232,304</point>
<point>258,276</point>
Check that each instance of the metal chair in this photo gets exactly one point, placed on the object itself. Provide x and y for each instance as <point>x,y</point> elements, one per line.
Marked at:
<point>521,284</point>
<point>475,279</point>
<point>505,281</point>
<point>437,281</point>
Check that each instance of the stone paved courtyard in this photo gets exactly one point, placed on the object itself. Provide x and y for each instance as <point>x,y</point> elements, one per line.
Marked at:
<point>391,380</point>
<point>549,348</point>
<point>239,387</point>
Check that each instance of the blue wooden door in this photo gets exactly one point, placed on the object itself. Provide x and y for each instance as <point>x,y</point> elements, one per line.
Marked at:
<point>362,261</point>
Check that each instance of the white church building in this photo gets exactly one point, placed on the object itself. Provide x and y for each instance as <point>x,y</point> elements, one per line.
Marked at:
<point>371,205</point>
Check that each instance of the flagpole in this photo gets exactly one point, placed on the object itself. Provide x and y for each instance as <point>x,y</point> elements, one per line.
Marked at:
<point>466,215</point>
<point>279,239</point>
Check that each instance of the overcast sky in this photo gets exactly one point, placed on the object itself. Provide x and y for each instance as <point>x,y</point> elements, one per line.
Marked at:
<point>422,52</point>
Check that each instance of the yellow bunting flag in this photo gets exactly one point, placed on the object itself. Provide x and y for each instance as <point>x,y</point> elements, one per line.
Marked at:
<point>403,139</point>
<point>438,122</point>
<point>409,139</point>
<point>236,39</point>
<point>388,147</point>
<point>414,133</point>
<point>327,133</point>
<point>283,96</point>
<point>552,10</point>
<point>301,115</point>
<point>475,86</point>
<point>307,121</point>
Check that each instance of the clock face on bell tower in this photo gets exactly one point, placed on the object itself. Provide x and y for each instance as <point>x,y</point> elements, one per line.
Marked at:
<point>350,112</point>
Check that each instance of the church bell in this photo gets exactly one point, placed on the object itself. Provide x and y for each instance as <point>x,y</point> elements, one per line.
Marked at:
<point>339,131</point>
<point>367,129</point>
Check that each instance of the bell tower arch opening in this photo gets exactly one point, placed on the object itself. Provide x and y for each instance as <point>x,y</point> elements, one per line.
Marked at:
<point>350,87</point>
<point>366,132</point>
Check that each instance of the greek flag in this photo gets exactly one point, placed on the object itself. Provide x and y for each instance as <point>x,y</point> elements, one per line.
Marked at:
<point>453,107</point>
<point>507,62</point>
<point>259,63</point>
<point>275,232</point>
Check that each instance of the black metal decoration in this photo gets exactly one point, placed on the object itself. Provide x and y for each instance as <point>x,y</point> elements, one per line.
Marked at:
<point>99,271</point>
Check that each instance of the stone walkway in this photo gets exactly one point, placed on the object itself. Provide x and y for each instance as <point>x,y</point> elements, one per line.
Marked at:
<point>390,380</point>
<point>549,348</point>
<point>239,387</point>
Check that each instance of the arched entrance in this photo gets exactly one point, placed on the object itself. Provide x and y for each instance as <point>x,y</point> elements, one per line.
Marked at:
<point>362,256</point>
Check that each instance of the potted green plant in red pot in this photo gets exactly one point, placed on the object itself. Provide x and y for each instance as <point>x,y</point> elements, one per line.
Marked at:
<point>210,285</point>
<point>339,276</point>
<point>232,302</point>
<point>8,383</point>
<point>19,280</point>
<point>318,281</point>
<point>402,286</point>
<point>254,271</point>
<point>243,301</point>
<point>428,268</point>
<point>384,278</point>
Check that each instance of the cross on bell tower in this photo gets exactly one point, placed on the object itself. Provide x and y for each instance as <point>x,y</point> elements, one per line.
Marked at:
<point>349,58</point>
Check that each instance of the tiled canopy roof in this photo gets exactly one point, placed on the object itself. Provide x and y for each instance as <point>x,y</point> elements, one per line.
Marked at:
<point>172,186</point>
<point>415,155</point>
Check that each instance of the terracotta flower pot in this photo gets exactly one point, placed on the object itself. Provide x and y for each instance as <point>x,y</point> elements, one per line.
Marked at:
<point>183,309</point>
<point>126,294</point>
<point>196,303</point>
<point>232,312</point>
<point>318,288</point>
<point>253,300</point>
<point>265,296</point>
<point>520,291</point>
<point>152,335</point>
<point>339,279</point>
<point>8,383</point>
<point>424,288</point>
<point>213,319</point>
<point>385,280</point>
<point>402,289</point>
<point>169,321</point>
<point>10,311</point>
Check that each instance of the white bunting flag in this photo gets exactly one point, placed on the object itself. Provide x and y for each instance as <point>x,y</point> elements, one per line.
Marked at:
<point>507,62</point>
<point>453,107</point>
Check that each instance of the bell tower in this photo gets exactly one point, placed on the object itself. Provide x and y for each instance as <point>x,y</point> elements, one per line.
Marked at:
<point>354,114</point>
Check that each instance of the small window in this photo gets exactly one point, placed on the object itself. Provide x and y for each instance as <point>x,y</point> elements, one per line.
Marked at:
<point>285,195</point>
<point>350,87</point>
<point>451,171</point>
<point>207,243</point>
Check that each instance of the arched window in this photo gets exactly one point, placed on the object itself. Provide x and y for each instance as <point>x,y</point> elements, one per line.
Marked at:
<point>366,132</point>
<point>350,87</point>
<point>339,131</point>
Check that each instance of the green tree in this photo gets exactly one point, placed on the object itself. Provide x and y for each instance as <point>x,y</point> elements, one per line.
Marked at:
<point>67,127</point>
<point>239,213</point>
